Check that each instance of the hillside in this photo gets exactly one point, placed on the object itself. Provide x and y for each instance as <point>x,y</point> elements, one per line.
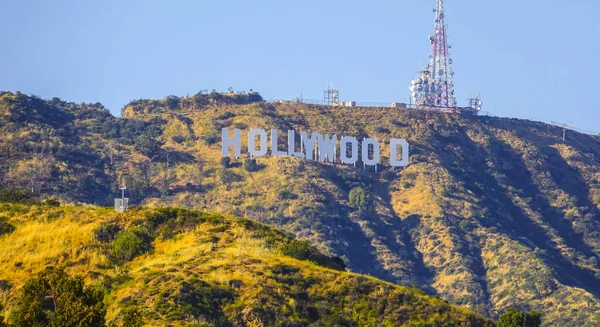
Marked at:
<point>490,213</point>
<point>203,269</point>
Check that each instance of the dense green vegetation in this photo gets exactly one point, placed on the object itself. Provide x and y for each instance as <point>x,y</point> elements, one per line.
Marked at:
<point>491,213</point>
<point>514,318</point>
<point>55,299</point>
<point>201,100</point>
<point>179,267</point>
<point>360,199</point>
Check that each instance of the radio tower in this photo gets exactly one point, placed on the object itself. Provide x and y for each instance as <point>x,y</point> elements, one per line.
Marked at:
<point>433,88</point>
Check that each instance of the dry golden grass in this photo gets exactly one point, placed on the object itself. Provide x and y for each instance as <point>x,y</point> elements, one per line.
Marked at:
<point>36,244</point>
<point>237,257</point>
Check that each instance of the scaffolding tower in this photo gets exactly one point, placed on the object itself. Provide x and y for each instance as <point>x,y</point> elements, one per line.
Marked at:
<point>476,103</point>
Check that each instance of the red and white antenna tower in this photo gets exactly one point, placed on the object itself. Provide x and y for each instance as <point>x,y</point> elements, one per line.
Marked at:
<point>433,88</point>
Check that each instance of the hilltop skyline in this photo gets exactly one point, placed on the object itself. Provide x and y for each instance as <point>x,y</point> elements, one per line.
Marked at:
<point>113,52</point>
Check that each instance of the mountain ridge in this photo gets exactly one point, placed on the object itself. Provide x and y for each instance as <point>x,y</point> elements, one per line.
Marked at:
<point>480,194</point>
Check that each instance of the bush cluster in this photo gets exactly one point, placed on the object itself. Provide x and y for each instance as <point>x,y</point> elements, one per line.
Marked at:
<point>52,203</point>
<point>515,318</point>
<point>130,243</point>
<point>360,199</point>
<point>225,162</point>
<point>17,196</point>
<point>250,165</point>
<point>107,233</point>
<point>301,250</point>
<point>5,227</point>
<point>56,299</point>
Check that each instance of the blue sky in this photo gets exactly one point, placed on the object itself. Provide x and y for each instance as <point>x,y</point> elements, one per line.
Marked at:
<point>529,59</point>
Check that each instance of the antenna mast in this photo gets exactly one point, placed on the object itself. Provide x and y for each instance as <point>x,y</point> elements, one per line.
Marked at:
<point>123,203</point>
<point>434,88</point>
<point>441,62</point>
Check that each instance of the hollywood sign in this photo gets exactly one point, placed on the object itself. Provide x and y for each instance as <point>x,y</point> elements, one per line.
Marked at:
<point>316,146</point>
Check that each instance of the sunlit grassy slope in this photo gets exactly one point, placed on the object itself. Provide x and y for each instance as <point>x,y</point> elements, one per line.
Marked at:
<point>224,271</point>
<point>491,212</point>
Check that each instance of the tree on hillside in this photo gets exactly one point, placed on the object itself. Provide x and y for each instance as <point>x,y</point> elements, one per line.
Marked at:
<point>9,150</point>
<point>360,199</point>
<point>56,299</point>
<point>255,97</point>
<point>147,144</point>
<point>192,174</point>
<point>112,151</point>
<point>131,317</point>
<point>164,178</point>
<point>138,178</point>
<point>131,243</point>
<point>515,318</point>
<point>32,173</point>
<point>172,102</point>
<point>215,97</point>
<point>250,165</point>
<point>5,228</point>
<point>225,161</point>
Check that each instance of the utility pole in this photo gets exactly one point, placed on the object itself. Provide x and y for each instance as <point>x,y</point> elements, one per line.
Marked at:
<point>123,192</point>
<point>564,128</point>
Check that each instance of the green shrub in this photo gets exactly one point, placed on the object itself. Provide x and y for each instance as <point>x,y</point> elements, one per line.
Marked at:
<point>211,139</point>
<point>301,250</point>
<point>172,102</point>
<point>178,139</point>
<point>170,221</point>
<point>388,175</point>
<point>297,249</point>
<point>17,196</point>
<point>287,195</point>
<point>106,233</point>
<point>339,261</point>
<point>515,318</point>
<point>228,177</point>
<point>225,162</point>
<point>240,125</point>
<point>465,224</point>
<point>132,318</point>
<point>5,227</point>
<point>410,176</point>
<point>161,216</point>
<point>52,203</point>
<point>380,129</point>
<point>250,165</point>
<point>225,115</point>
<point>147,144</point>
<point>131,243</point>
<point>202,299</point>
